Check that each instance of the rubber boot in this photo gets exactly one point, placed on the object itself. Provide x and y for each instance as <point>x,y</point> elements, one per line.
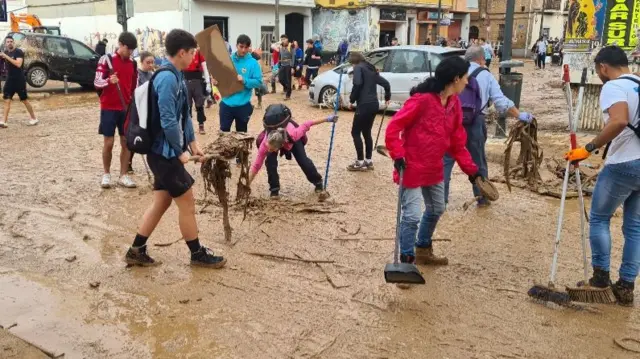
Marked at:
<point>425,256</point>
<point>623,291</point>
<point>406,259</point>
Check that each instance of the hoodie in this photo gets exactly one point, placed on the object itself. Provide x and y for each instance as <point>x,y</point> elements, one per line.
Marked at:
<point>249,69</point>
<point>365,81</point>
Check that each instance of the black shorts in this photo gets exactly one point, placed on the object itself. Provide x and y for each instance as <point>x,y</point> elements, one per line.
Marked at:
<point>169,175</point>
<point>110,120</point>
<point>15,87</point>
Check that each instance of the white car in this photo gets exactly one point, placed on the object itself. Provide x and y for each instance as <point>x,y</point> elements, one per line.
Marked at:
<point>403,66</point>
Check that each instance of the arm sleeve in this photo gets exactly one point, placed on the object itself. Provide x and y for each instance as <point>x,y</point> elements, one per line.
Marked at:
<point>189,133</point>
<point>610,95</point>
<point>297,133</point>
<point>260,157</point>
<point>385,84</point>
<point>254,80</point>
<point>457,147</point>
<point>502,102</point>
<point>393,137</point>
<point>205,73</point>
<point>357,84</point>
<point>100,81</point>
<point>166,86</point>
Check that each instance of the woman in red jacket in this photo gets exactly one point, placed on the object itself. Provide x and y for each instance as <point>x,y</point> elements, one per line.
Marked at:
<point>428,126</point>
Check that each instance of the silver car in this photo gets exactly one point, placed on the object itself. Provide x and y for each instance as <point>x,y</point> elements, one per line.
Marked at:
<point>403,66</point>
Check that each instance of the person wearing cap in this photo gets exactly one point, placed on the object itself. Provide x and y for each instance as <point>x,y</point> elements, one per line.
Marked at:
<point>284,137</point>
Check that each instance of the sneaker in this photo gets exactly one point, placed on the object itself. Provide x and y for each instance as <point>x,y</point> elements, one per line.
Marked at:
<point>126,181</point>
<point>274,195</point>
<point>425,256</point>
<point>204,257</point>
<point>357,166</point>
<point>201,129</point>
<point>623,291</point>
<point>286,98</point>
<point>130,169</point>
<point>106,181</point>
<point>33,122</point>
<point>319,187</point>
<point>369,165</point>
<point>3,124</point>
<point>139,257</point>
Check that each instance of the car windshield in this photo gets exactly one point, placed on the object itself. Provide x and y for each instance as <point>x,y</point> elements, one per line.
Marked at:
<point>376,58</point>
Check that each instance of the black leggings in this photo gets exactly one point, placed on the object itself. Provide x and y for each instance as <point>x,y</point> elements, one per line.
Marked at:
<point>362,123</point>
<point>303,160</point>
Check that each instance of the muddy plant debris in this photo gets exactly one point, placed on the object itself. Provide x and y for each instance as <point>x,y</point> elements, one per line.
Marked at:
<point>216,170</point>
<point>530,157</point>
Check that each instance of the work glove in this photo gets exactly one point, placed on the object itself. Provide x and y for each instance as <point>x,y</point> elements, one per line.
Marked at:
<point>400,164</point>
<point>208,88</point>
<point>332,118</point>
<point>577,155</point>
<point>525,117</point>
<point>474,177</point>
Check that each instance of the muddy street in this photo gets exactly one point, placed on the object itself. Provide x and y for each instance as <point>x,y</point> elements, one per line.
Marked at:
<point>65,286</point>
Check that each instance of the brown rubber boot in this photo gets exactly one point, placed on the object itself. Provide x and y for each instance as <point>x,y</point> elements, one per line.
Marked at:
<point>425,256</point>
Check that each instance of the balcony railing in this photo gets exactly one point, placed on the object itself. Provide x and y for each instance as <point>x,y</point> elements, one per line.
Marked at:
<point>552,4</point>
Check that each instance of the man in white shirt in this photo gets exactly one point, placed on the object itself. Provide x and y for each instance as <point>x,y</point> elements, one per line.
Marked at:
<point>619,181</point>
<point>541,51</point>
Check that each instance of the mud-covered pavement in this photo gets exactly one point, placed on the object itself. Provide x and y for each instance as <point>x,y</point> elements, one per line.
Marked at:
<point>64,283</point>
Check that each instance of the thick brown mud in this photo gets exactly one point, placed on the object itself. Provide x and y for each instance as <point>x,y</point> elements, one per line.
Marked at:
<point>52,208</point>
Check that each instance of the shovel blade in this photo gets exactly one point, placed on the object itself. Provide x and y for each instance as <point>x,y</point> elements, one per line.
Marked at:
<point>403,273</point>
<point>382,150</point>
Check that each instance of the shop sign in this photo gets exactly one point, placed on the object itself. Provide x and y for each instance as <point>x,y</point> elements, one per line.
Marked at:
<point>390,14</point>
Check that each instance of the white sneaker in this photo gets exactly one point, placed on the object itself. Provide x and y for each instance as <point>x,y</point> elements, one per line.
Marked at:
<point>3,124</point>
<point>126,181</point>
<point>33,122</point>
<point>106,181</point>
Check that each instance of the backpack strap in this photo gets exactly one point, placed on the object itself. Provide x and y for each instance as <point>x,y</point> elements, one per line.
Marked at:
<point>477,71</point>
<point>637,82</point>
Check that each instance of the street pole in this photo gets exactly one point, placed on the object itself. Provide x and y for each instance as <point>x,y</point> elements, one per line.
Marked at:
<point>541,19</point>
<point>439,17</point>
<point>501,124</point>
<point>124,25</point>
<point>277,20</point>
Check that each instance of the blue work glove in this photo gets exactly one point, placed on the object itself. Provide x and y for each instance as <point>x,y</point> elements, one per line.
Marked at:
<point>525,117</point>
<point>332,118</point>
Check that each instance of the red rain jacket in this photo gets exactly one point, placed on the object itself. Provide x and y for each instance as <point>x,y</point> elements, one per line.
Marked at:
<point>422,132</point>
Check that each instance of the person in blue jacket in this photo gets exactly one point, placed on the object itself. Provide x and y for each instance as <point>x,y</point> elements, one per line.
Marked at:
<point>237,107</point>
<point>298,58</point>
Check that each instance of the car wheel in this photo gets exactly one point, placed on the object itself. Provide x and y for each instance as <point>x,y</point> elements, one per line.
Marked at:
<point>37,76</point>
<point>328,97</point>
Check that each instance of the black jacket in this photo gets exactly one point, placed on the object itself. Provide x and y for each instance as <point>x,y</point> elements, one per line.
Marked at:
<point>101,48</point>
<point>365,84</point>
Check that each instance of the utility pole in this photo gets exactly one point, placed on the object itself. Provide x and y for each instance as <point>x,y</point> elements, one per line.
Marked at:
<point>439,17</point>
<point>508,32</point>
<point>541,19</point>
<point>277,20</point>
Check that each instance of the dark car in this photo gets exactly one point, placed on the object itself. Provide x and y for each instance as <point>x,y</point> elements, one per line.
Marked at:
<point>50,57</point>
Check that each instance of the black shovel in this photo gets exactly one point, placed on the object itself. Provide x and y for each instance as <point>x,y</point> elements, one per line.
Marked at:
<point>396,272</point>
<point>381,149</point>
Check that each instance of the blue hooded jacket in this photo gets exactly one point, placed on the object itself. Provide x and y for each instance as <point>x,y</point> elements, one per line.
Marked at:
<point>250,70</point>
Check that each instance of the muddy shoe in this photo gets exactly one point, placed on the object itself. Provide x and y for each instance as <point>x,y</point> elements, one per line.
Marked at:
<point>425,256</point>
<point>139,257</point>
<point>201,129</point>
<point>357,166</point>
<point>600,279</point>
<point>204,257</point>
<point>274,195</point>
<point>319,188</point>
<point>623,291</point>
<point>369,165</point>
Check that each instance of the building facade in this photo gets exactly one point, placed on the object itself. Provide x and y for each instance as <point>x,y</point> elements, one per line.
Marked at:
<point>529,15</point>
<point>368,24</point>
<point>92,20</point>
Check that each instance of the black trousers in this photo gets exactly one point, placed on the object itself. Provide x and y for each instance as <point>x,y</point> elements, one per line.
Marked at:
<point>362,124</point>
<point>304,162</point>
<point>310,74</point>
<point>284,76</point>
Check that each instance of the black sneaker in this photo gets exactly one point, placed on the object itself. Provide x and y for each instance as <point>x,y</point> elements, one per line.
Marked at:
<point>274,195</point>
<point>623,291</point>
<point>139,257</point>
<point>319,187</point>
<point>407,259</point>
<point>204,257</point>
<point>357,166</point>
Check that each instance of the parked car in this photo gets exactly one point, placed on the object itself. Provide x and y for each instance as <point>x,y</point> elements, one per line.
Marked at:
<point>51,57</point>
<point>403,66</point>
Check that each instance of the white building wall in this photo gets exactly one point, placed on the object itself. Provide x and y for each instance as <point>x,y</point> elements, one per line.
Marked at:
<point>464,27</point>
<point>245,18</point>
<point>149,27</point>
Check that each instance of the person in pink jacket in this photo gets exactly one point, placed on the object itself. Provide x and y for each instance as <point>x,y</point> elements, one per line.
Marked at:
<point>428,126</point>
<point>282,135</point>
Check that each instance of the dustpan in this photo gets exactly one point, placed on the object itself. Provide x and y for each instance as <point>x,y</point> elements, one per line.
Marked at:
<point>397,272</point>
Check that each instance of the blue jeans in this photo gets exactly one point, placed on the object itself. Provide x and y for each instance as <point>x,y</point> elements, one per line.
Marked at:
<point>476,139</point>
<point>618,184</point>
<point>411,201</point>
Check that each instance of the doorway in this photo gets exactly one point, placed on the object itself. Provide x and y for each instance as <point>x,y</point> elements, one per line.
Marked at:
<point>267,37</point>
<point>222,22</point>
<point>294,27</point>
<point>474,32</point>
